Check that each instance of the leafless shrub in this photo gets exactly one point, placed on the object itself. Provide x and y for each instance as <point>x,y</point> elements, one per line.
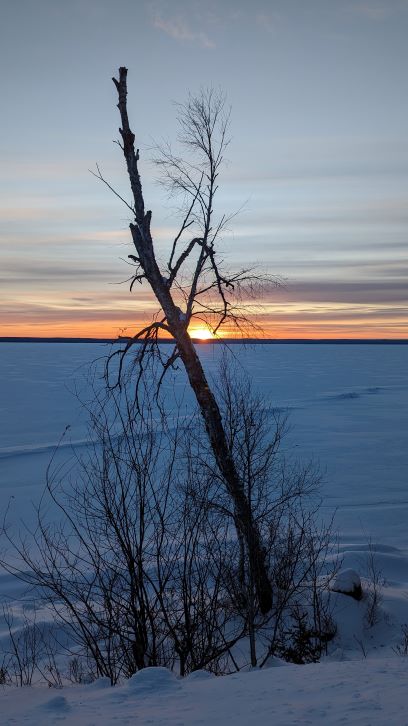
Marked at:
<point>402,647</point>
<point>361,645</point>
<point>5,678</point>
<point>47,665</point>
<point>374,586</point>
<point>145,568</point>
<point>24,648</point>
<point>80,671</point>
<point>284,501</point>
<point>32,650</point>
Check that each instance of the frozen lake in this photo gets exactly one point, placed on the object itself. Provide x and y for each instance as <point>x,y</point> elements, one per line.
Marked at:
<point>348,408</point>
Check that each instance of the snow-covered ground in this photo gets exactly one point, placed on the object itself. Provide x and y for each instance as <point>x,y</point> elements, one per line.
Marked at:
<point>348,407</point>
<point>352,693</point>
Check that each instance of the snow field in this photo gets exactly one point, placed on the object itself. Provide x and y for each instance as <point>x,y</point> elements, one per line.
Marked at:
<point>354,693</point>
<point>348,409</point>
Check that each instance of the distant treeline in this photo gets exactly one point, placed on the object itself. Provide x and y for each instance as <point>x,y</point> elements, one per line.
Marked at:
<point>218,341</point>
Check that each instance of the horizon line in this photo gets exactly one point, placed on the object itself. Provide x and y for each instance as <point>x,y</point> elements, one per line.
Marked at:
<point>212,341</point>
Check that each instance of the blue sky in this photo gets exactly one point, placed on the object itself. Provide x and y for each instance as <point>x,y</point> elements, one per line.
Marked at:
<point>318,162</point>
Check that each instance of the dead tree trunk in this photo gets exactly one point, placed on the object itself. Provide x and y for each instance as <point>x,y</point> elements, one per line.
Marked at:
<point>176,324</point>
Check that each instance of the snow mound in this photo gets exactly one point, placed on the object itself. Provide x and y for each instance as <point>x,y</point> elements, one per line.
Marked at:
<point>200,675</point>
<point>348,582</point>
<point>103,682</point>
<point>58,703</point>
<point>152,679</point>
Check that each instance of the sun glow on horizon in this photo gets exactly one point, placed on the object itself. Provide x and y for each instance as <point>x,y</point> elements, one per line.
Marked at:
<point>201,334</point>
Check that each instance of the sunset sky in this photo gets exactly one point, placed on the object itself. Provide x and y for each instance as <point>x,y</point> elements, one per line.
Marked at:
<point>318,163</point>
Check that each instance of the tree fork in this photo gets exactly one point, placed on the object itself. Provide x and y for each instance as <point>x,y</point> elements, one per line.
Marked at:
<point>210,411</point>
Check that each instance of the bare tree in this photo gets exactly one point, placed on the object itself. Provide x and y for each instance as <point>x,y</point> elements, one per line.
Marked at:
<point>209,293</point>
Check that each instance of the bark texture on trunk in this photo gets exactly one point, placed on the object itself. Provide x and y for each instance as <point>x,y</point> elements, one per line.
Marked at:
<point>175,322</point>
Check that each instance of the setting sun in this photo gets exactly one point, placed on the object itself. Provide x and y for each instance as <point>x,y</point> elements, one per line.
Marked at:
<point>201,334</point>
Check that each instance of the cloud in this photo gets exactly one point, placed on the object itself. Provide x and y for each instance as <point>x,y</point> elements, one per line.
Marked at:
<point>341,292</point>
<point>266,21</point>
<point>375,10</point>
<point>178,29</point>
